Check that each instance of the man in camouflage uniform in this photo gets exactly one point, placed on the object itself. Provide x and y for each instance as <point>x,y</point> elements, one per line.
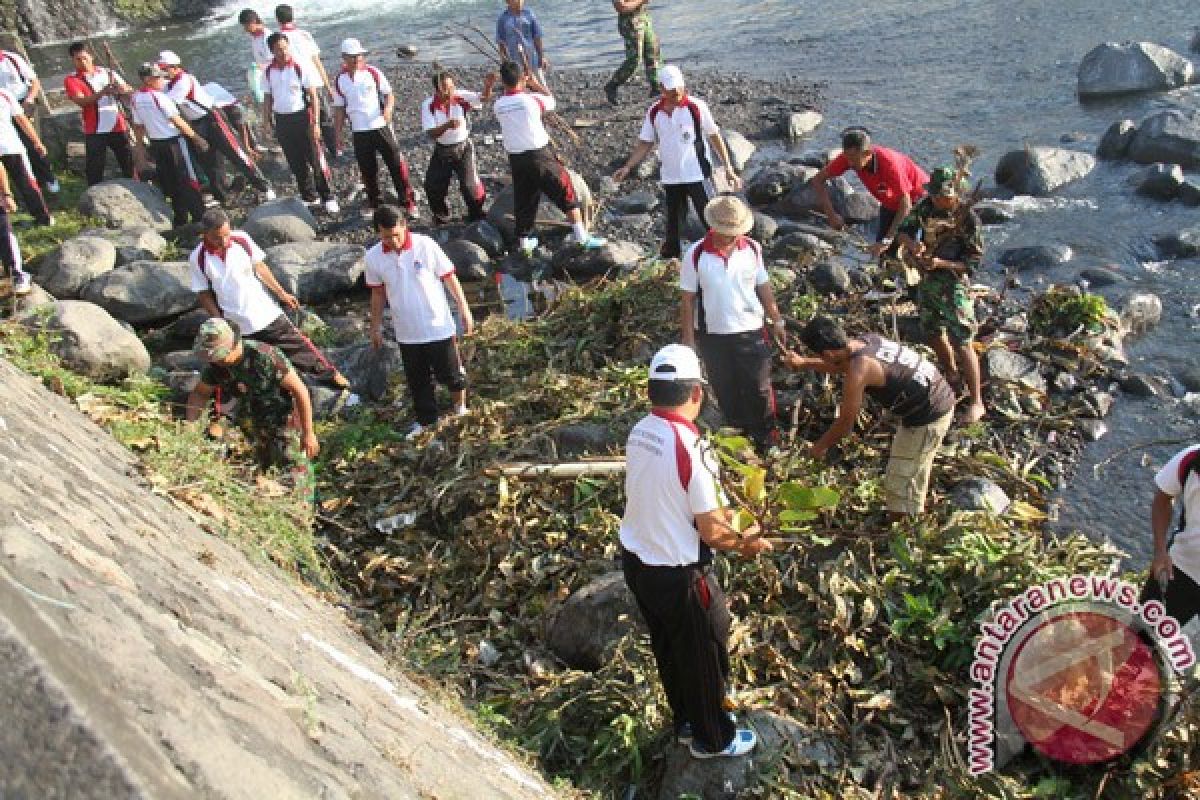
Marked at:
<point>633,22</point>
<point>945,239</point>
<point>274,409</point>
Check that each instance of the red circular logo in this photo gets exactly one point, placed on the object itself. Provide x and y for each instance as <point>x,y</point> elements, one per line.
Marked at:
<point>1084,687</point>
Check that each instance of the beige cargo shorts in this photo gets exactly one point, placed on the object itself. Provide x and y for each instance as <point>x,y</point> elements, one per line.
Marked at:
<point>910,463</point>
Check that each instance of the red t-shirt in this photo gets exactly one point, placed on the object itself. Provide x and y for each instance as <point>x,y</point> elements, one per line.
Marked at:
<point>889,177</point>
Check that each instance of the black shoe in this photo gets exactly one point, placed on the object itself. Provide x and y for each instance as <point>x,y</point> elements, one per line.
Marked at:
<point>610,91</point>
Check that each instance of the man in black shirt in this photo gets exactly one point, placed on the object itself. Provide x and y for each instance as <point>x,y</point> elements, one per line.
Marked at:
<point>899,379</point>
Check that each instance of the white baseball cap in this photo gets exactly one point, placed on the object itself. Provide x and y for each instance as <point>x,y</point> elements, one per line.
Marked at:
<point>353,47</point>
<point>676,362</point>
<point>671,77</point>
<point>168,58</point>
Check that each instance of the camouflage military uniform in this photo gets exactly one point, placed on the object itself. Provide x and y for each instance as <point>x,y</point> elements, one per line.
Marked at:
<point>264,406</point>
<point>641,44</point>
<point>943,298</point>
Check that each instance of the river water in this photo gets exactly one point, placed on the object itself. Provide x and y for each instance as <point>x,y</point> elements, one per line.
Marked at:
<point>924,78</point>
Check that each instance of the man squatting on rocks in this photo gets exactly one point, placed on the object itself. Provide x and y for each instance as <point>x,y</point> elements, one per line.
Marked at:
<point>201,112</point>
<point>535,167</point>
<point>362,93</point>
<point>295,106</point>
<point>641,46</point>
<point>684,129</point>
<point>902,382</point>
<point>725,292</point>
<point>230,277</point>
<point>1175,571</point>
<point>411,274</point>
<point>444,119</point>
<point>15,130</point>
<point>18,77</point>
<point>155,115</point>
<point>675,516</point>
<point>95,90</point>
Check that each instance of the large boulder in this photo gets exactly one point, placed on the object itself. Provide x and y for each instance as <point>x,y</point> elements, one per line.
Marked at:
<point>92,343</point>
<point>133,244</point>
<point>1182,244</point>
<point>1159,181</point>
<point>1114,144</point>
<point>124,203</point>
<point>500,212</point>
<point>592,620</point>
<point>1038,171</point>
<point>64,272</point>
<point>980,494</point>
<point>740,148</point>
<point>611,259</point>
<point>368,369</point>
<point>1170,136</point>
<point>829,278</point>
<point>316,271</point>
<point>484,234</point>
<point>471,262</point>
<point>281,222</point>
<point>802,200</point>
<point>796,124</point>
<point>772,183</point>
<point>143,292</point>
<point>1125,67</point>
<point>1036,256</point>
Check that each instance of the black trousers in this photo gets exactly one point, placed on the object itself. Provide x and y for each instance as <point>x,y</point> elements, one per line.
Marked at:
<point>25,185</point>
<point>447,162</point>
<point>304,157</point>
<point>422,362</point>
<point>677,196</point>
<point>325,123</point>
<point>223,141</point>
<point>739,371</point>
<point>535,173</point>
<point>10,263</point>
<point>95,145</point>
<point>1182,599</point>
<point>299,349</point>
<point>178,179</point>
<point>381,142</point>
<point>688,618</point>
<point>40,163</point>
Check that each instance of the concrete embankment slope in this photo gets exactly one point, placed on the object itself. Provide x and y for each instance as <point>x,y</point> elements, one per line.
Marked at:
<point>142,657</point>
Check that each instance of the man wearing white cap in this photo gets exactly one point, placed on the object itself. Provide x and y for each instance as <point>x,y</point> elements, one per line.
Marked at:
<point>675,517</point>
<point>726,292</point>
<point>200,109</point>
<point>687,136</point>
<point>362,94</point>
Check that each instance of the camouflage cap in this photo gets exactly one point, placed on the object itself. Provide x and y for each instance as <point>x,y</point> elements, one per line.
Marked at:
<point>942,181</point>
<point>215,340</point>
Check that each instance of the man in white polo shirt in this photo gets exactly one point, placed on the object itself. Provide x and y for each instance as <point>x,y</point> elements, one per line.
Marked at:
<point>726,291</point>
<point>536,170</point>
<point>19,78</point>
<point>410,273</point>
<point>307,52</point>
<point>362,93</point>
<point>675,516</point>
<point>1174,578</point>
<point>294,103</point>
<point>444,118</point>
<point>686,134</point>
<point>156,117</point>
<point>230,277</point>
<point>15,129</point>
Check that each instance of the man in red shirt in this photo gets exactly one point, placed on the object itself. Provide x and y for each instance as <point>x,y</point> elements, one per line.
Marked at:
<point>891,177</point>
<point>95,90</point>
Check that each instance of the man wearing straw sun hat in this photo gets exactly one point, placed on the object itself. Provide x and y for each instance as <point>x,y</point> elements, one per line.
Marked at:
<point>726,300</point>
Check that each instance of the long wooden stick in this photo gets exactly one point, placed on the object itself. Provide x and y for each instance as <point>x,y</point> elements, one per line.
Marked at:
<point>576,469</point>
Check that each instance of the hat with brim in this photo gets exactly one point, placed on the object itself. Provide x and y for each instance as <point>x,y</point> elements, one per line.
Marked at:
<point>353,47</point>
<point>151,71</point>
<point>676,362</point>
<point>169,58</point>
<point>215,340</point>
<point>670,77</point>
<point>729,216</point>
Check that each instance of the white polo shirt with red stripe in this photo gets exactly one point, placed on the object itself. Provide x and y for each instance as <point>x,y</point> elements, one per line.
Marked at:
<point>258,48</point>
<point>303,48</point>
<point>287,85</point>
<point>15,74</point>
<point>153,110</point>
<point>362,94</point>
<point>104,115</point>
<point>676,134</point>
<point>436,113</point>
<point>412,277</point>
<point>1185,549</point>
<point>230,276</point>
<point>193,100</point>
<point>520,116</point>
<point>10,109</point>
<point>726,285</point>
<point>670,477</point>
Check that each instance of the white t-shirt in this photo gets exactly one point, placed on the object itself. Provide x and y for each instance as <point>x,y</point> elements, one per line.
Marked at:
<point>193,100</point>
<point>362,94</point>
<point>154,110</point>
<point>258,48</point>
<point>287,85</point>
<point>520,116</point>
<point>241,296</point>
<point>1185,550</point>
<point>669,479</point>
<point>676,135</point>
<point>434,114</point>
<point>303,47</point>
<point>412,278</point>
<point>726,287</point>
<point>10,108</point>
<point>15,74</point>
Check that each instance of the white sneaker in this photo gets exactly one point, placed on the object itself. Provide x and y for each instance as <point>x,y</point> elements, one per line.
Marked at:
<point>461,411</point>
<point>743,742</point>
<point>416,430</point>
<point>353,400</point>
<point>22,284</point>
<point>528,245</point>
<point>331,205</point>
<point>52,187</point>
<point>593,242</point>
<point>269,194</point>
